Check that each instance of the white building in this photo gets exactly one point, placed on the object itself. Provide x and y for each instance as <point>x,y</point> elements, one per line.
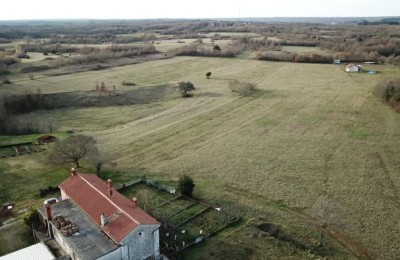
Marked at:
<point>352,68</point>
<point>37,251</point>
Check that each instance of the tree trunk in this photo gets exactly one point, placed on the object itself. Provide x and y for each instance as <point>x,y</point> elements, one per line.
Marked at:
<point>77,163</point>
<point>98,169</point>
<point>322,238</point>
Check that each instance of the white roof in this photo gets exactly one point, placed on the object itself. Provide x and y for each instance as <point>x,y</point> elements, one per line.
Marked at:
<point>36,252</point>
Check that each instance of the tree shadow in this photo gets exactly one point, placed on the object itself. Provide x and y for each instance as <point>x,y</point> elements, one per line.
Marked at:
<point>208,94</point>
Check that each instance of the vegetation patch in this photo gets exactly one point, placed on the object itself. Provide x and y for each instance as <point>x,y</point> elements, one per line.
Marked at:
<point>128,83</point>
<point>358,132</point>
<point>276,232</point>
<point>185,221</point>
<point>34,68</point>
<point>241,86</point>
<point>389,93</point>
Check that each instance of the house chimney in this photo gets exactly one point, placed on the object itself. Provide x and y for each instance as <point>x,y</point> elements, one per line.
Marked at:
<point>73,172</point>
<point>48,211</point>
<point>134,200</point>
<point>109,187</point>
<point>103,220</point>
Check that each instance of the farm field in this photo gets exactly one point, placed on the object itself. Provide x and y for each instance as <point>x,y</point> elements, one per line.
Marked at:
<point>309,131</point>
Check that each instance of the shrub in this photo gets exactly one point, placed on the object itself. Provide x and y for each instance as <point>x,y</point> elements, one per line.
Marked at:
<point>23,56</point>
<point>208,75</point>
<point>34,68</point>
<point>389,92</point>
<point>6,81</point>
<point>31,217</point>
<point>48,190</point>
<point>128,83</point>
<point>216,48</point>
<point>242,87</point>
<point>4,72</point>
<point>185,186</point>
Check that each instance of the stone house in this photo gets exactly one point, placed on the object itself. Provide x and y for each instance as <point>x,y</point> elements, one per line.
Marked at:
<point>352,68</point>
<point>94,221</point>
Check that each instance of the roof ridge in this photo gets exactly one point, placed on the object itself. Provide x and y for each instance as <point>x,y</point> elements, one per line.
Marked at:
<point>105,196</point>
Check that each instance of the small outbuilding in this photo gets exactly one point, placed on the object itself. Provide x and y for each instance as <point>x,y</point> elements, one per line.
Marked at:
<point>352,68</point>
<point>37,251</point>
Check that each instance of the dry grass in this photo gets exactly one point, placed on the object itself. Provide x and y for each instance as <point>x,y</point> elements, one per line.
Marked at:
<point>303,49</point>
<point>310,130</point>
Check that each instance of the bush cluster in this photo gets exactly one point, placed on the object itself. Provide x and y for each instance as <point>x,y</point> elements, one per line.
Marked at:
<point>50,189</point>
<point>194,50</point>
<point>15,117</point>
<point>185,185</point>
<point>241,86</point>
<point>389,93</point>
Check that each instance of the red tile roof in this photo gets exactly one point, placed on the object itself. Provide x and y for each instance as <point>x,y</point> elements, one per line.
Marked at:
<point>90,193</point>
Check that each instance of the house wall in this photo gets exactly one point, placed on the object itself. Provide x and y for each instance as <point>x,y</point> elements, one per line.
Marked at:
<point>63,195</point>
<point>113,255</point>
<point>141,243</point>
<point>353,69</point>
<point>62,243</point>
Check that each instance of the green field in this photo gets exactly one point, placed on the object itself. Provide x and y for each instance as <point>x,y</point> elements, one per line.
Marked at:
<point>310,130</point>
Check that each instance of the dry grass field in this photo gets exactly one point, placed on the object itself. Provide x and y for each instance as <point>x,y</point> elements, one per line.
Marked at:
<point>302,49</point>
<point>310,130</point>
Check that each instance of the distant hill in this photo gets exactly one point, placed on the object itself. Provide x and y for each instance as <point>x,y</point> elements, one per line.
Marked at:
<point>387,20</point>
<point>324,20</point>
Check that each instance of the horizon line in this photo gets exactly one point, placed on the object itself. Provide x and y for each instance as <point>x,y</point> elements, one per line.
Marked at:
<point>199,18</point>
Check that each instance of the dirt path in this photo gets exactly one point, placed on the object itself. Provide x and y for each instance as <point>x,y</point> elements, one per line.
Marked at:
<point>10,222</point>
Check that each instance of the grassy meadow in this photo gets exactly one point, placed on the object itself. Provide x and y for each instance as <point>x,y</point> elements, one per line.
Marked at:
<point>309,131</point>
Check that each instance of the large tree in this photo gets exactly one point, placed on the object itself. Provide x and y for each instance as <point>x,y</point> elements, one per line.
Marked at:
<point>185,87</point>
<point>72,149</point>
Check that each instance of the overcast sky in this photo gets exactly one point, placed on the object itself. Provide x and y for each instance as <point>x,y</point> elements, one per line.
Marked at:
<point>139,9</point>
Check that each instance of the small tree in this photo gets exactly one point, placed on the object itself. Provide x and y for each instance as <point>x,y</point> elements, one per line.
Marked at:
<point>31,217</point>
<point>185,87</point>
<point>72,149</point>
<point>208,75</point>
<point>328,214</point>
<point>185,186</point>
<point>98,157</point>
<point>216,48</point>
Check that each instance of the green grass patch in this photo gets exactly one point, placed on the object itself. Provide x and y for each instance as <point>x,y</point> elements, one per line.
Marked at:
<point>149,198</point>
<point>266,122</point>
<point>186,214</point>
<point>16,139</point>
<point>14,238</point>
<point>358,132</point>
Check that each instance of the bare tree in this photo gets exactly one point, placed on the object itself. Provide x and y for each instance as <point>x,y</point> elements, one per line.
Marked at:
<point>99,157</point>
<point>72,149</point>
<point>328,215</point>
